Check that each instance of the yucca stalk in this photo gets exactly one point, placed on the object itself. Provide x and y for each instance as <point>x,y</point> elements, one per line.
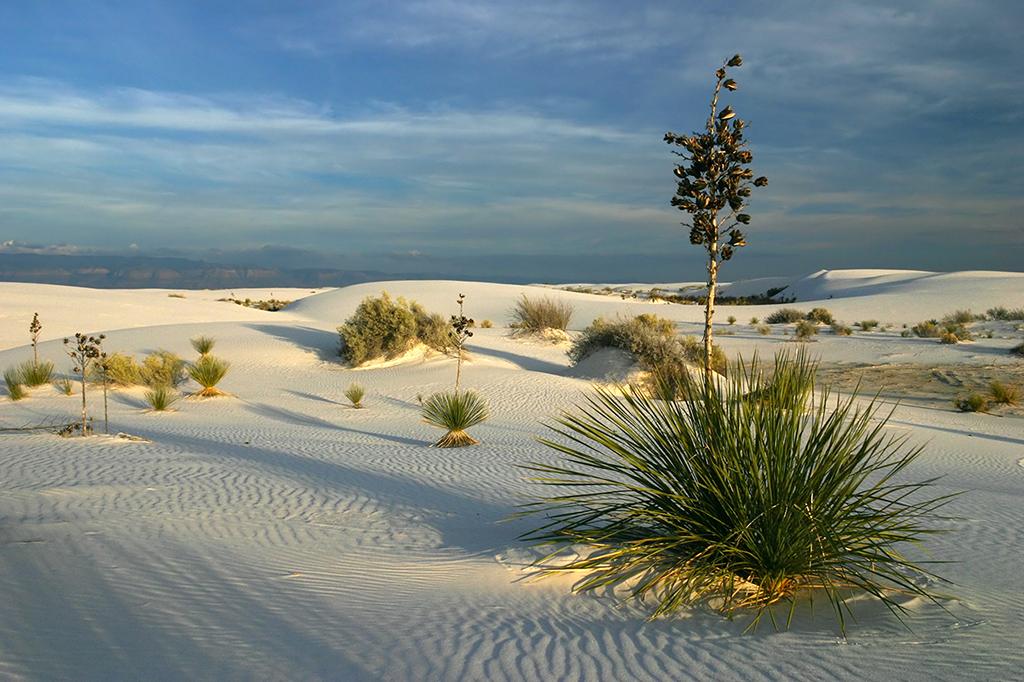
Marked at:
<point>744,501</point>
<point>207,371</point>
<point>455,412</point>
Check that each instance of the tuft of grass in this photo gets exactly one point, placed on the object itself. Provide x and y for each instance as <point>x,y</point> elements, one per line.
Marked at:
<point>972,403</point>
<point>805,330</point>
<point>35,373</point>
<point>454,412</point>
<point>731,320</point>
<point>161,397</point>
<point>15,389</point>
<point>203,344</point>
<point>486,324</point>
<point>867,325</point>
<point>841,329</point>
<point>959,317</point>
<point>820,316</point>
<point>949,338</point>
<point>64,384</point>
<point>790,385</point>
<point>764,330</point>
<point>1001,313</point>
<point>740,503</point>
<point>208,371</point>
<point>536,315</point>
<point>173,295</point>
<point>355,393</point>
<point>162,368</point>
<point>928,329</point>
<point>785,316</point>
<point>1003,394</point>
<point>754,321</point>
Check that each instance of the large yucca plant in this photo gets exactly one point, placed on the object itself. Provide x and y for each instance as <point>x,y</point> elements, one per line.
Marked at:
<point>742,502</point>
<point>207,371</point>
<point>35,373</point>
<point>455,412</point>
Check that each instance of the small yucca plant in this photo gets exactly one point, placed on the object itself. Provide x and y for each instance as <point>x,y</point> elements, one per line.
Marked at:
<point>161,397</point>
<point>203,344</point>
<point>1004,394</point>
<point>35,373</point>
<point>972,403</point>
<point>64,384</point>
<point>15,389</point>
<point>355,393</point>
<point>207,371</point>
<point>454,412</point>
<point>739,502</point>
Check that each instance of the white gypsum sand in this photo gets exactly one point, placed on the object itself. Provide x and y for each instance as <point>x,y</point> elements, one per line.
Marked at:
<point>281,534</point>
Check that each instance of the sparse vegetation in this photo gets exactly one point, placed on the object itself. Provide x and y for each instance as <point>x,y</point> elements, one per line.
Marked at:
<point>959,317</point>
<point>536,315</point>
<point>785,316</point>
<point>731,320</point>
<point>161,397</point>
<point>805,330</point>
<point>355,393</point>
<point>742,502</point>
<point>764,330</point>
<point>1003,394</point>
<point>15,389</point>
<point>272,305</point>
<point>820,316</point>
<point>121,370</point>
<point>949,338</point>
<point>486,324</point>
<point>455,412</point>
<point>386,328</point>
<point>972,403</point>
<point>203,344</point>
<point>64,384</point>
<point>927,330</point>
<point>35,373</point>
<point>867,325</point>
<point>1017,350</point>
<point>208,371</point>
<point>1001,313</point>
<point>840,329</point>
<point>162,368</point>
<point>754,321</point>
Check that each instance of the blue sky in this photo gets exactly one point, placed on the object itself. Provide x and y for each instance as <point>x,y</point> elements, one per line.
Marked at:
<point>409,134</point>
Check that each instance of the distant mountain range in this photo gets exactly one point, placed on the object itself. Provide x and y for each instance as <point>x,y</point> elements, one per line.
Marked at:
<point>147,272</point>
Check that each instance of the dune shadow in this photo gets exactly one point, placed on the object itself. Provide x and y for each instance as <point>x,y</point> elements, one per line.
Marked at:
<point>322,343</point>
<point>526,362</point>
<point>310,396</point>
<point>300,419</point>
<point>960,432</point>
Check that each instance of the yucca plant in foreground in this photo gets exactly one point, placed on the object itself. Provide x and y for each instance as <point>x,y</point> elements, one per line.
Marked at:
<point>207,372</point>
<point>456,412</point>
<point>742,503</point>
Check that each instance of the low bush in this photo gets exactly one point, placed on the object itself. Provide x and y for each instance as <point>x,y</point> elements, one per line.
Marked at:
<point>764,330</point>
<point>1001,313</point>
<point>161,397</point>
<point>805,330</point>
<point>927,330</point>
<point>1003,394</point>
<point>840,329</point>
<point>971,403</point>
<point>208,371</point>
<point>486,324</point>
<point>536,315</point>
<point>960,317</point>
<point>867,325</point>
<point>122,370</point>
<point>741,503</point>
<point>820,316</point>
<point>949,338</point>
<point>382,327</point>
<point>455,412</point>
<point>162,368</point>
<point>15,389</point>
<point>754,321</point>
<point>731,320</point>
<point>35,373</point>
<point>785,316</point>
<point>355,393</point>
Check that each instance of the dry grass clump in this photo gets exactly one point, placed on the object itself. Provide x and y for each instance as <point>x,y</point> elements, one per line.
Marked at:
<point>972,403</point>
<point>455,412</point>
<point>122,370</point>
<point>867,325</point>
<point>208,371</point>
<point>486,324</point>
<point>764,330</point>
<point>785,316</point>
<point>821,316</point>
<point>1003,394</point>
<point>386,328</point>
<point>959,317</point>
<point>805,330</point>
<point>928,329</point>
<point>1001,313</point>
<point>740,503</point>
<point>162,368</point>
<point>949,338</point>
<point>536,315</point>
<point>841,329</point>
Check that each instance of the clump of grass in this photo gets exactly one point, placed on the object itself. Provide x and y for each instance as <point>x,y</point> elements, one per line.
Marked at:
<point>928,329</point>
<point>486,324</point>
<point>15,389</point>
<point>959,317</point>
<point>785,316</point>
<point>764,330</point>
<point>64,384</point>
<point>754,321</point>
<point>536,315</point>
<point>867,325</point>
<point>1003,394</point>
<point>805,330</point>
<point>455,412</point>
<point>162,368</point>
<point>731,320</point>
<point>820,316</point>
<point>1001,313</point>
<point>355,393</point>
<point>161,397</point>
<point>208,371</point>
<point>203,344</point>
<point>840,329</point>
<point>949,338</point>
<point>386,328</point>
<point>35,373</point>
<point>742,503</point>
<point>972,403</point>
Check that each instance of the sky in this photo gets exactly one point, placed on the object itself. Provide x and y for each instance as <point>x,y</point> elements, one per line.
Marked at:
<point>477,136</point>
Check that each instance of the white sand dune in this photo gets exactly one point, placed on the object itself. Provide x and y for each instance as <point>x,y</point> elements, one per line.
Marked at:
<point>282,535</point>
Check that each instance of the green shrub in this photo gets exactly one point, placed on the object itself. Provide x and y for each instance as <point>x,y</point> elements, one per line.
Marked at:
<point>790,385</point>
<point>162,368</point>
<point>208,371</point>
<point>64,384</point>
<point>959,317</point>
<point>203,344</point>
<point>355,392</point>
<point>161,397</point>
<point>486,324</point>
<point>927,330</point>
<point>820,316</point>
<point>535,315</point>
<point>754,321</point>
<point>841,329</point>
<point>122,370</point>
<point>805,330</point>
<point>1003,394</point>
<point>867,325</point>
<point>15,389</point>
<point>731,320</point>
<point>454,412</point>
<point>432,330</point>
<point>36,373</point>
<point>956,329</point>
<point>785,316</point>
<point>1001,313</point>
<point>382,327</point>
<point>739,502</point>
<point>972,403</point>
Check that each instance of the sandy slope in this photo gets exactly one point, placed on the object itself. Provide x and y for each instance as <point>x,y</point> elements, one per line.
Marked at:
<point>282,535</point>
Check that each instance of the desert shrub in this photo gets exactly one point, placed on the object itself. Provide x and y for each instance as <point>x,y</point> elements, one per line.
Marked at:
<point>1003,394</point>
<point>867,325</point>
<point>971,403</point>
<point>455,412</point>
<point>956,329</point>
<point>960,317</point>
<point>122,370</point>
<point>754,321</point>
<point>355,393</point>
<point>785,316</point>
<point>162,368</point>
<point>208,371</point>
<point>34,373</point>
<point>1001,313</point>
<point>161,397</point>
<point>949,338</point>
<point>731,319</point>
<point>805,330</point>
<point>486,324</point>
<point>63,384</point>
<point>742,503</point>
<point>764,330</point>
<point>535,315</point>
<point>203,344</point>
<point>382,327</point>
<point>840,329</point>
<point>927,330</point>
<point>432,330</point>
<point>820,316</point>
<point>15,389</point>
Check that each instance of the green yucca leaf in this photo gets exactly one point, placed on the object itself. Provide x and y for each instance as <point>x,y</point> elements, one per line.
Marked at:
<point>455,412</point>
